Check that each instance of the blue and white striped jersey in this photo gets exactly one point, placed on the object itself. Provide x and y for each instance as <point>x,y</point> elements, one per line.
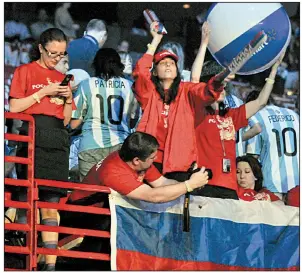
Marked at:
<point>278,147</point>
<point>73,152</point>
<point>106,108</point>
<point>233,102</point>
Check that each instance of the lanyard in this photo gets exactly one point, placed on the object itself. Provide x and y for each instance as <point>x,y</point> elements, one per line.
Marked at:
<point>166,113</point>
<point>221,140</point>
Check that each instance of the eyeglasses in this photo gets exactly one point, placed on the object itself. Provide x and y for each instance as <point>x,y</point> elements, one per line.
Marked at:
<point>54,55</point>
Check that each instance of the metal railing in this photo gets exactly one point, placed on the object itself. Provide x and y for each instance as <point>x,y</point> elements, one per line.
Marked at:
<point>31,249</point>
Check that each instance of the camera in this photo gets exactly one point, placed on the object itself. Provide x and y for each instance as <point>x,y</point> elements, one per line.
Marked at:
<point>210,173</point>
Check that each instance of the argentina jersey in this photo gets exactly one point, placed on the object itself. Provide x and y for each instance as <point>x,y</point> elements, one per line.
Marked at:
<point>106,108</point>
<point>278,148</point>
<point>232,101</point>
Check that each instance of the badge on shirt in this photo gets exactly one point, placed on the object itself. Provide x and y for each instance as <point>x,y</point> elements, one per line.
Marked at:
<point>226,165</point>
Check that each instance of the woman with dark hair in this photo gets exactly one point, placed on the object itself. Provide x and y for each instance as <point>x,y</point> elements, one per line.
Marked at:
<point>250,180</point>
<point>36,90</point>
<point>167,105</point>
<point>106,106</point>
<point>216,127</point>
<point>177,49</point>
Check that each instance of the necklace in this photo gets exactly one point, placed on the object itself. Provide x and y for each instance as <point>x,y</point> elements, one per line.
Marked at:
<point>165,113</point>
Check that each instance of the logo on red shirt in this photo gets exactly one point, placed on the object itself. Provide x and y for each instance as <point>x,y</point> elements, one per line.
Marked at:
<point>35,86</point>
<point>226,128</point>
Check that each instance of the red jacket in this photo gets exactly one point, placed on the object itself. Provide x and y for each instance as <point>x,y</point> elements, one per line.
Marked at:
<point>180,147</point>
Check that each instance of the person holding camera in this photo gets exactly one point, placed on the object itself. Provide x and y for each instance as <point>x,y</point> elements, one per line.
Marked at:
<point>36,90</point>
<point>130,172</point>
<point>126,170</point>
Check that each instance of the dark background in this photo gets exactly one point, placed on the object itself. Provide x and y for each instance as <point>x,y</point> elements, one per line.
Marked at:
<point>180,23</point>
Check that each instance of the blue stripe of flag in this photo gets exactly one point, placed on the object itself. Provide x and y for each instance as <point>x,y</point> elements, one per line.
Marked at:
<point>214,240</point>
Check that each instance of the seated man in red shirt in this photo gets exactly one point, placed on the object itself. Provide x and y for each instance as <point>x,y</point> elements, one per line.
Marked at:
<point>125,170</point>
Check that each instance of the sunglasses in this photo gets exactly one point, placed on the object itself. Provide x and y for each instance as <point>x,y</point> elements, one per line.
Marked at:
<point>54,55</point>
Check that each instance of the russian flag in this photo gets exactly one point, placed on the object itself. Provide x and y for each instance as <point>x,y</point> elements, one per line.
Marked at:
<point>224,235</point>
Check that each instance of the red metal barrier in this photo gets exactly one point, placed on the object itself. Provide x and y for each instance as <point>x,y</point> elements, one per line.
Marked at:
<point>79,232</point>
<point>32,205</point>
<point>29,249</point>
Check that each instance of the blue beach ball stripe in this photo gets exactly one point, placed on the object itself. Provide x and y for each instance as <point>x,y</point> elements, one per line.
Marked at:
<point>276,25</point>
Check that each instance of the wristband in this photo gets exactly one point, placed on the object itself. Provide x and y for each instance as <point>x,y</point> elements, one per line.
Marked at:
<point>270,81</point>
<point>189,189</point>
<point>67,102</point>
<point>36,98</point>
<point>151,47</point>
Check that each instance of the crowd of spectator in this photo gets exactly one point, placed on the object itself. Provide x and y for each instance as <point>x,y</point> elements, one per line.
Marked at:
<point>19,39</point>
<point>98,126</point>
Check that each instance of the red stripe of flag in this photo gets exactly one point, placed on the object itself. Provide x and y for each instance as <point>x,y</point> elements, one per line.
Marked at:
<point>133,260</point>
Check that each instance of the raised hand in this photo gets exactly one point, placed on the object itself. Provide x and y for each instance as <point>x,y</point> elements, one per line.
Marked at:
<point>279,60</point>
<point>229,78</point>
<point>205,31</point>
<point>154,29</point>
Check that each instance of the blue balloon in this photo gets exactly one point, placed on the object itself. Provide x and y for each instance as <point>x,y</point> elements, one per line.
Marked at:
<point>234,25</point>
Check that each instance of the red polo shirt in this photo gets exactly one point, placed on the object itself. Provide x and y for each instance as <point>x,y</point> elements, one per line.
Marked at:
<point>116,174</point>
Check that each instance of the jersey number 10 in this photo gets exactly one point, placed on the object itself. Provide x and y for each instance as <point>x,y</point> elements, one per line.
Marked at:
<point>283,135</point>
<point>115,101</point>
